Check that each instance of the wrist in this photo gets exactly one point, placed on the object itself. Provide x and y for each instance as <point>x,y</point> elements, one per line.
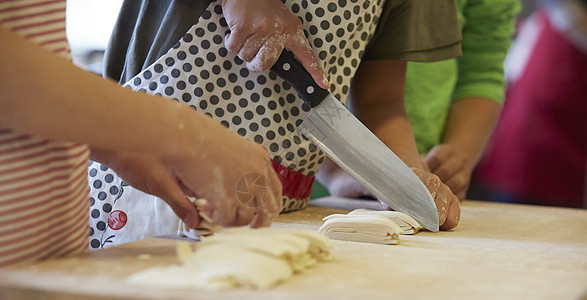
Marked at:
<point>186,136</point>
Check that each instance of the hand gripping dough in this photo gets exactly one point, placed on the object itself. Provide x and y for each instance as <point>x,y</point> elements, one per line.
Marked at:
<point>206,226</point>
<point>240,257</point>
<point>407,223</point>
<point>361,228</point>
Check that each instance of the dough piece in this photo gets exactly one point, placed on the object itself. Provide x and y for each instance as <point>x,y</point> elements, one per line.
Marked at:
<point>291,248</point>
<point>240,257</point>
<point>320,245</point>
<point>222,266</point>
<point>407,223</point>
<point>361,228</point>
<point>205,228</point>
<point>218,267</point>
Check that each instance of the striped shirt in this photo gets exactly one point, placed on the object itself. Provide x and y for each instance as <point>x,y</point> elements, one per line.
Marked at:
<point>44,198</point>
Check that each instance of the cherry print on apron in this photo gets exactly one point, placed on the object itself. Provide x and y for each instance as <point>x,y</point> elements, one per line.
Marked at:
<point>198,71</point>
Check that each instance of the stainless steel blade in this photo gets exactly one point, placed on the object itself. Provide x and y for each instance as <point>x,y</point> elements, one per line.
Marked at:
<point>345,140</point>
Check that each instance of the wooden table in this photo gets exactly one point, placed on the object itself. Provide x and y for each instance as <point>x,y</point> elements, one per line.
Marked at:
<point>499,251</point>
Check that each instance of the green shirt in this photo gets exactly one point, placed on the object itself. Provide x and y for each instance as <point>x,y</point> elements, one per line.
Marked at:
<point>487,27</point>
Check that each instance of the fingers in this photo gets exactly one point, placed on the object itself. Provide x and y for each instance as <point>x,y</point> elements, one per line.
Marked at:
<point>431,181</point>
<point>459,184</point>
<point>443,200</point>
<point>261,44</point>
<point>449,168</point>
<point>235,40</point>
<point>256,201</point>
<point>301,49</point>
<point>444,162</point>
<point>436,156</point>
<point>453,216</point>
<point>447,204</point>
<point>180,204</point>
<point>268,53</point>
<point>271,204</point>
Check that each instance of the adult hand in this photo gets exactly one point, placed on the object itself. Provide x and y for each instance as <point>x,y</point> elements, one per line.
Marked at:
<point>451,167</point>
<point>150,175</point>
<point>261,29</point>
<point>234,174</point>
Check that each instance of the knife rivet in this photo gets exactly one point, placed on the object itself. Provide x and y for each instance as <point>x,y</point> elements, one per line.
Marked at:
<point>310,89</point>
<point>286,67</point>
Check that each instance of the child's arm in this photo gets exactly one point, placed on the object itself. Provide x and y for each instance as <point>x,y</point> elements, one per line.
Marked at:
<point>469,126</point>
<point>478,93</point>
<point>377,100</point>
<point>45,95</point>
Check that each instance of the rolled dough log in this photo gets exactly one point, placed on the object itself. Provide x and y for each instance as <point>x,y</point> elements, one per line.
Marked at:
<point>370,228</point>
<point>407,223</point>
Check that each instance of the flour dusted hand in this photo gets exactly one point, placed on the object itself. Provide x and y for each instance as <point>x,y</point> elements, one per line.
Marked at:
<point>448,205</point>
<point>261,29</point>
<point>235,175</point>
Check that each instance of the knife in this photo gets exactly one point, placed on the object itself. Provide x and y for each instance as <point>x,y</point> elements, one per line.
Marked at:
<point>351,145</point>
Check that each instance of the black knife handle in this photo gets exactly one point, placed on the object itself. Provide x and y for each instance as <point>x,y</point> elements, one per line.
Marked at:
<point>292,71</point>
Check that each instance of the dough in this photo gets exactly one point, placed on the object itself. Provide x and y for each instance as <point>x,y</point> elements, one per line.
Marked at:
<point>370,228</point>
<point>205,228</point>
<point>407,223</point>
<point>240,257</point>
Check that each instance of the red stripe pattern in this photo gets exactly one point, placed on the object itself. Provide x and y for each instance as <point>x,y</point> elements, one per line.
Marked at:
<point>44,199</point>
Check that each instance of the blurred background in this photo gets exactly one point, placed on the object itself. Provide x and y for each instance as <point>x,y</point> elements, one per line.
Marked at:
<point>89,25</point>
<point>538,151</point>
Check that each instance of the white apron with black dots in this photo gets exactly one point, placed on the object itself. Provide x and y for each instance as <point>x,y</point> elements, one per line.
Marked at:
<point>260,106</point>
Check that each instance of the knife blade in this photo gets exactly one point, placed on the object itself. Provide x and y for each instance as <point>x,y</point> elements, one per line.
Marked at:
<point>351,145</point>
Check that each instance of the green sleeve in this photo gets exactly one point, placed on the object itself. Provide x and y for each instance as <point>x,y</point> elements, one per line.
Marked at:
<point>487,33</point>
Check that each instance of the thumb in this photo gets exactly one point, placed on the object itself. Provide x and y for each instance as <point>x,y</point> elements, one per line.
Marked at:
<point>174,197</point>
<point>304,54</point>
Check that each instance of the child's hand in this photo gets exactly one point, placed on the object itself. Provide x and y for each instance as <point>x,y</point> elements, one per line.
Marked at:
<point>451,167</point>
<point>448,205</point>
<point>261,29</point>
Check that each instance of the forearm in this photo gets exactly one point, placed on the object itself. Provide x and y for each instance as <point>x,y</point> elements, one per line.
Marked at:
<point>469,126</point>
<point>47,96</point>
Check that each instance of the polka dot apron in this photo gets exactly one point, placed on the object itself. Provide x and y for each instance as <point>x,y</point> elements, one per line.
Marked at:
<point>198,71</point>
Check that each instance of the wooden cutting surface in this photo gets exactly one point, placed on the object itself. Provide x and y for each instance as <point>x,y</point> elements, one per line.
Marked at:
<point>499,251</point>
